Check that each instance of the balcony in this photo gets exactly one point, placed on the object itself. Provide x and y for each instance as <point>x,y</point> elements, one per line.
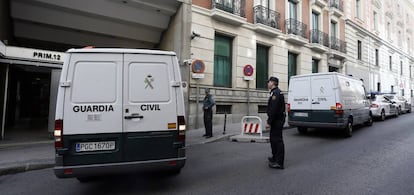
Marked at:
<point>267,21</point>
<point>320,3</point>
<point>339,47</point>
<point>296,32</point>
<point>337,7</point>
<point>229,11</point>
<point>319,41</point>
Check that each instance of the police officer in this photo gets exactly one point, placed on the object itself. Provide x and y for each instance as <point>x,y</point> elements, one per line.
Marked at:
<point>208,104</point>
<point>276,119</point>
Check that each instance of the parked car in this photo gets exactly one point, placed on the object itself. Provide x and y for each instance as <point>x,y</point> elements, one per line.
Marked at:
<point>403,105</point>
<point>382,107</point>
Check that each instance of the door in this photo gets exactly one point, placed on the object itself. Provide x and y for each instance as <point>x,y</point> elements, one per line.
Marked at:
<point>150,107</point>
<point>300,93</point>
<point>323,94</point>
<point>92,122</point>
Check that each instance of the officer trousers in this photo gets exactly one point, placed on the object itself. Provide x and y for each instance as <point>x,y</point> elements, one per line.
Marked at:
<point>208,121</point>
<point>276,141</point>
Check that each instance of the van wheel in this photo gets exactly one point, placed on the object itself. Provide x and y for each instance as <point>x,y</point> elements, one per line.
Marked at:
<point>369,121</point>
<point>397,112</point>
<point>382,115</point>
<point>348,129</point>
<point>302,130</point>
<point>409,110</point>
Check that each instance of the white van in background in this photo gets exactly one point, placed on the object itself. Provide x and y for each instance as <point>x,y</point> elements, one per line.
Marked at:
<point>327,100</point>
<point>119,110</point>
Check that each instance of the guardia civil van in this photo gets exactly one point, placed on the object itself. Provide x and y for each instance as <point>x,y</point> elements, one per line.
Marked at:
<point>327,100</point>
<point>119,110</point>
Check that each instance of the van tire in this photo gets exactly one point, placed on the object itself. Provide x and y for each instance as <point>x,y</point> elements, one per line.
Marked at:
<point>369,121</point>
<point>349,128</point>
<point>382,117</point>
<point>302,130</point>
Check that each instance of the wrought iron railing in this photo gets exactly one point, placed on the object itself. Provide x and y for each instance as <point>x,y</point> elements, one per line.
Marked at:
<point>338,4</point>
<point>236,7</point>
<point>317,36</point>
<point>266,16</point>
<point>295,27</point>
<point>338,44</point>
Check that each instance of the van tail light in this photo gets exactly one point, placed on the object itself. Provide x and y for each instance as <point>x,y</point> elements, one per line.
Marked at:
<point>288,108</point>
<point>58,133</point>
<point>339,108</point>
<point>181,128</point>
<point>374,106</point>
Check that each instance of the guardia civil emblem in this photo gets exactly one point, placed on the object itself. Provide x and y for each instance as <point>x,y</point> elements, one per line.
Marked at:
<point>148,82</point>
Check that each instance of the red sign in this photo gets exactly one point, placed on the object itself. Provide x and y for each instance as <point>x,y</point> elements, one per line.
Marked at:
<point>198,66</point>
<point>248,70</point>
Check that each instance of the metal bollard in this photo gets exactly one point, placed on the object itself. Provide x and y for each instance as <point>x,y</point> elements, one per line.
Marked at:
<point>225,120</point>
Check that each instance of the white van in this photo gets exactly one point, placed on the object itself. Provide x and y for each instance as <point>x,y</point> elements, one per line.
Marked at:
<point>327,100</point>
<point>119,110</point>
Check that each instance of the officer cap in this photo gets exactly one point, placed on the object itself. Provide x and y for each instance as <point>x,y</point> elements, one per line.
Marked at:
<point>274,79</point>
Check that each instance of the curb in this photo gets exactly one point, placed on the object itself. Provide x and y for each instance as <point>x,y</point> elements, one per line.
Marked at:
<point>27,167</point>
<point>25,144</point>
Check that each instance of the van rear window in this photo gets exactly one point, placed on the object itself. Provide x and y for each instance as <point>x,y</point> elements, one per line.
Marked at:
<point>94,82</point>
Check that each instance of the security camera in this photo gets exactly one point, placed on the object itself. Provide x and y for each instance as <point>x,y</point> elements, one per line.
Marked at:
<point>187,62</point>
<point>194,34</point>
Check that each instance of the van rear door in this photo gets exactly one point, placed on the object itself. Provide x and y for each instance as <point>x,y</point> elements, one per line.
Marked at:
<point>92,124</point>
<point>150,107</point>
<point>323,92</point>
<point>300,93</point>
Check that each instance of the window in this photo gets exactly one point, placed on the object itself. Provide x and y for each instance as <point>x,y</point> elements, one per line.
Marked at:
<point>262,109</point>
<point>375,21</point>
<point>390,62</point>
<point>376,57</point>
<point>315,65</point>
<point>412,93</point>
<point>359,50</point>
<point>333,29</point>
<point>408,44</point>
<point>402,92</point>
<point>315,20</point>
<point>378,86</point>
<point>399,39</point>
<point>222,61</point>
<point>392,88</point>
<point>262,66</point>
<point>388,30</point>
<point>358,8</point>
<point>293,10</point>
<point>223,109</point>
<point>401,67</point>
<point>292,60</point>
<point>333,69</point>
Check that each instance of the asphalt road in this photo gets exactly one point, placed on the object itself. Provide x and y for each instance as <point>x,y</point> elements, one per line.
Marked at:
<point>376,160</point>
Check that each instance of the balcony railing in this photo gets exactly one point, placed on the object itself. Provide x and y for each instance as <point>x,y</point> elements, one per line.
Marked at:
<point>295,27</point>
<point>236,7</point>
<point>266,16</point>
<point>338,4</point>
<point>338,44</point>
<point>319,37</point>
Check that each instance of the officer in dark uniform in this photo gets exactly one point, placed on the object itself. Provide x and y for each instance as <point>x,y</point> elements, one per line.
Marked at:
<point>276,119</point>
<point>208,104</point>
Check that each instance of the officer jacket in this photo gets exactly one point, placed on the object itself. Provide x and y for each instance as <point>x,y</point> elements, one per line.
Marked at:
<point>275,106</point>
<point>208,102</point>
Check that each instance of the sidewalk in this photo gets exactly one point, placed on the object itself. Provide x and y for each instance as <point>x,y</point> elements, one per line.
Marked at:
<point>26,156</point>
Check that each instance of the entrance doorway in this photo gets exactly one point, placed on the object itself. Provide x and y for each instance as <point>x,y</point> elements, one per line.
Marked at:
<point>27,108</point>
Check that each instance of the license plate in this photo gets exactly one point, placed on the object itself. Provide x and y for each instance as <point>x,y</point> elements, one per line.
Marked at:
<point>300,114</point>
<point>95,146</point>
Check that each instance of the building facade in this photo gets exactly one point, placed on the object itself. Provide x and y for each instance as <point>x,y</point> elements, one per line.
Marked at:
<point>278,38</point>
<point>379,36</point>
<point>34,35</point>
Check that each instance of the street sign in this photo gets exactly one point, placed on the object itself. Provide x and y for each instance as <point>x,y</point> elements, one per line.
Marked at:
<point>198,66</point>
<point>248,70</point>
